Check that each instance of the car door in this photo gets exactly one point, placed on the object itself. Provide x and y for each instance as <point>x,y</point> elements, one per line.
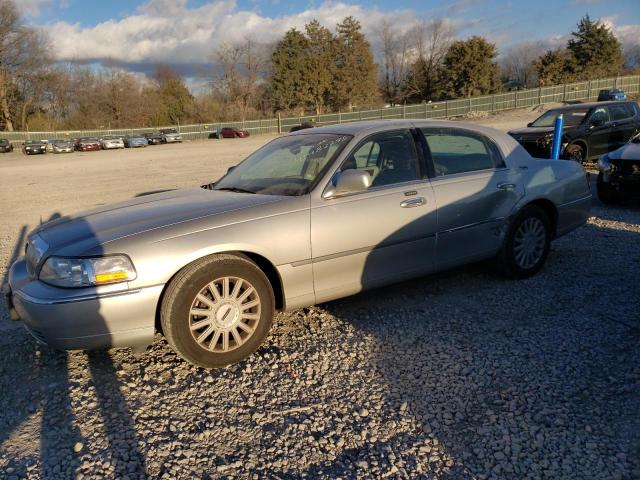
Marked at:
<point>599,131</point>
<point>623,125</point>
<point>475,191</point>
<point>381,235</point>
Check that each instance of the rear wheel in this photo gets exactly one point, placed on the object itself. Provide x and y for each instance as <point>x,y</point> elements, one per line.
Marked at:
<point>217,310</point>
<point>527,243</point>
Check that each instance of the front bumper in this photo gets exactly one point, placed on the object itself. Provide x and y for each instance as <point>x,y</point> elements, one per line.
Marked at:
<point>82,319</point>
<point>623,183</point>
<point>174,139</point>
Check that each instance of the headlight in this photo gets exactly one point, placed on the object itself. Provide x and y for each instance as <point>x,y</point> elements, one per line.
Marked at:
<point>86,272</point>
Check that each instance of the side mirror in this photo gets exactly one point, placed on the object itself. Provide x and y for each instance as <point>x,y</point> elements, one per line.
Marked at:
<point>530,124</point>
<point>597,122</point>
<point>230,169</point>
<point>349,181</point>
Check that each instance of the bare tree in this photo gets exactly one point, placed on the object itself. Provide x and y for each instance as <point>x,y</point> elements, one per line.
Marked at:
<point>243,68</point>
<point>395,61</point>
<point>518,63</point>
<point>22,54</point>
<point>432,40</point>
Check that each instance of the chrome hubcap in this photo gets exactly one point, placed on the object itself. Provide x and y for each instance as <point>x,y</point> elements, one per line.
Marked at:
<point>224,314</point>
<point>529,242</point>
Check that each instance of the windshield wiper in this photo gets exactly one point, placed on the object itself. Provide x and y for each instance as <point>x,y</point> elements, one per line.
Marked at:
<point>235,189</point>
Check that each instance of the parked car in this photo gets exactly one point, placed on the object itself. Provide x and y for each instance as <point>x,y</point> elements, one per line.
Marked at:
<point>309,217</point>
<point>611,94</point>
<point>229,132</point>
<point>88,144</point>
<point>171,135</point>
<point>50,145</point>
<point>111,142</point>
<point>5,146</point>
<point>619,173</point>
<point>134,141</point>
<point>214,134</point>
<point>590,130</point>
<point>33,147</point>
<point>154,138</point>
<point>62,146</point>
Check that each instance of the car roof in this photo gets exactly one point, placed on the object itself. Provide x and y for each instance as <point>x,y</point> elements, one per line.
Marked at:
<point>372,126</point>
<point>590,105</point>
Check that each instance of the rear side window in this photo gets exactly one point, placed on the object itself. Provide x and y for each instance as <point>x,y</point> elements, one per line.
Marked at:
<point>459,151</point>
<point>620,112</point>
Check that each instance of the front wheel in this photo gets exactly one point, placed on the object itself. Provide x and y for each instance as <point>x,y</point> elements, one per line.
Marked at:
<point>217,310</point>
<point>527,243</point>
<point>576,153</point>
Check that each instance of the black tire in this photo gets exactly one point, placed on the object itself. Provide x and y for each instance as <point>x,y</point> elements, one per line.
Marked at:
<point>605,193</point>
<point>576,153</point>
<point>181,293</point>
<point>507,256</point>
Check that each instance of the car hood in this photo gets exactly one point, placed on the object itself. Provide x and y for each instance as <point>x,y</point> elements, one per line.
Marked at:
<point>83,233</point>
<point>535,131</point>
<point>630,151</point>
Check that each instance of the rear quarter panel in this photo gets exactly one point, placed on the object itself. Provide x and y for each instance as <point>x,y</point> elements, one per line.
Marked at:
<point>565,184</point>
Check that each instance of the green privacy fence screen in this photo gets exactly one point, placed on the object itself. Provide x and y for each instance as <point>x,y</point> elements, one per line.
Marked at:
<point>569,92</point>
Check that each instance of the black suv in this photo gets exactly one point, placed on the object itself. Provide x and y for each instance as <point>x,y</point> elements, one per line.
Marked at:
<point>590,130</point>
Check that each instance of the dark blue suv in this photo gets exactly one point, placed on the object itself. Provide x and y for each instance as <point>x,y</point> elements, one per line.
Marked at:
<point>611,94</point>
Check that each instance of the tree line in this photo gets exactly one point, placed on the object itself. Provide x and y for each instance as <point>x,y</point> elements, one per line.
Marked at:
<point>313,70</point>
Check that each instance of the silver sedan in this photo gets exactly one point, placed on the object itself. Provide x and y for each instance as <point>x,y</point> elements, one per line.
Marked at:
<point>310,217</point>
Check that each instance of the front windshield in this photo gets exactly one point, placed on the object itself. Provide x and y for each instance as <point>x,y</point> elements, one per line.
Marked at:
<point>572,118</point>
<point>289,165</point>
<point>4,142</point>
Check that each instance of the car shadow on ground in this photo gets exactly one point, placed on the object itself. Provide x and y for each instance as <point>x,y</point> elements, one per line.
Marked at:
<point>47,391</point>
<point>535,388</point>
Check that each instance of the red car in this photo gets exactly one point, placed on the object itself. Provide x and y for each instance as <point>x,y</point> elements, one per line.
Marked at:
<point>88,144</point>
<point>228,132</point>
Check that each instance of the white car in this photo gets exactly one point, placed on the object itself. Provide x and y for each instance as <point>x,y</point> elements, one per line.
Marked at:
<point>110,142</point>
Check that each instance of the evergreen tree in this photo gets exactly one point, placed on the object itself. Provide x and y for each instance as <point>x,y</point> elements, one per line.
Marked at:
<point>288,83</point>
<point>555,67</point>
<point>319,60</point>
<point>469,68</point>
<point>354,72</point>
<point>596,50</point>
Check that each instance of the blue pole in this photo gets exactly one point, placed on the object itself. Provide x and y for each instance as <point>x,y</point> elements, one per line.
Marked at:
<point>557,137</point>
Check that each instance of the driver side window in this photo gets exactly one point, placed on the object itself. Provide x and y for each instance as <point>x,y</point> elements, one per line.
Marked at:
<point>599,116</point>
<point>388,157</point>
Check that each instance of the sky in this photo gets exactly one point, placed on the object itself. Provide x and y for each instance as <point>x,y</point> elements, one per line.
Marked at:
<point>138,34</point>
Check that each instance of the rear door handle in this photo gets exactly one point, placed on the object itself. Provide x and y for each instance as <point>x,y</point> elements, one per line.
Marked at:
<point>414,202</point>
<point>506,186</point>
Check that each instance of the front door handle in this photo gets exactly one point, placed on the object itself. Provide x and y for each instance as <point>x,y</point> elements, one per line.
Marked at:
<point>506,186</point>
<point>414,202</point>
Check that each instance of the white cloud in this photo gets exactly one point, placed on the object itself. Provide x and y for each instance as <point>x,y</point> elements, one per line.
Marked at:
<point>170,31</point>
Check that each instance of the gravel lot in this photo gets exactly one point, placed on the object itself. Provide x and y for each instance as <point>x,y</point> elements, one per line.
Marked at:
<point>458,375</point>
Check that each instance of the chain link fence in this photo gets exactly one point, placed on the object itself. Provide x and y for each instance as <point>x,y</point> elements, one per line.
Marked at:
<point>570,92</point>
